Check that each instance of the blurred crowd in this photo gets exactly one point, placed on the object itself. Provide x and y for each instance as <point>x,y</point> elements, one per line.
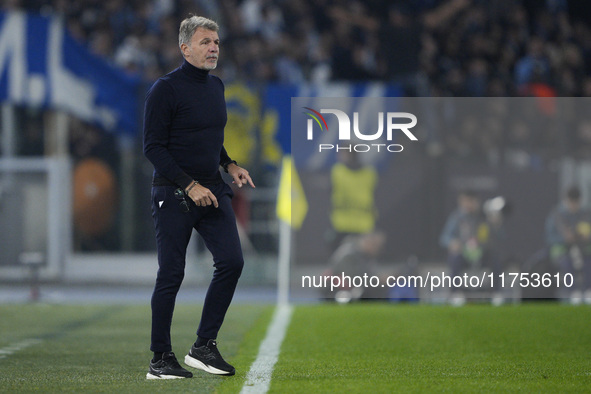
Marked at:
<point>432,47</point>
<point>457,48</point>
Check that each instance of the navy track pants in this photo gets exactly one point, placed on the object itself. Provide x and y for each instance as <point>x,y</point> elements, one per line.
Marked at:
<point>217,227</point>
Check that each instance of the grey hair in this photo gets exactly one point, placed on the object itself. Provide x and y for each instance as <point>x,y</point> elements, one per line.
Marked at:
<point>192,23</point>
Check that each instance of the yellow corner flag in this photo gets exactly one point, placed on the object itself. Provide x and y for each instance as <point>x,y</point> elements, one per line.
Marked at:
<point>292,206</point>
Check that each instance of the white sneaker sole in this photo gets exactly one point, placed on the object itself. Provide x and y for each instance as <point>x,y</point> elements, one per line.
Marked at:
<point>150,376</point>
<point>194,363</point>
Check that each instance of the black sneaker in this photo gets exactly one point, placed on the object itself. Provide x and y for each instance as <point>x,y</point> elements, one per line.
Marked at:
<point>209,359</point>
<point>167,368</point>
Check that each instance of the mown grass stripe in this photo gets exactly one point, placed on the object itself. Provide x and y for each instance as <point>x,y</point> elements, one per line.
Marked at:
<point>60,332</point>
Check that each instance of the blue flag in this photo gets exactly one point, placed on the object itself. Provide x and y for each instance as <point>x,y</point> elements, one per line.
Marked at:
<point>41,65</point>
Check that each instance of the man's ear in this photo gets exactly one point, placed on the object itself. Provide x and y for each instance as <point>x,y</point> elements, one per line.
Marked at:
<point>185,50</point>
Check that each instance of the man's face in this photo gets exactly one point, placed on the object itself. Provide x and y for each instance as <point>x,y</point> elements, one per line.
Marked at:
<point>468,204</point>
<point>203,50</point>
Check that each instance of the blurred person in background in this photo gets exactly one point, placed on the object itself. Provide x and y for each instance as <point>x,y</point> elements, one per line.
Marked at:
<point>355,257</point>
<point>353,210</point>
<point>404,34</point>
<point>472,240</point>
<point>568,234</point>
<point>184,120</point>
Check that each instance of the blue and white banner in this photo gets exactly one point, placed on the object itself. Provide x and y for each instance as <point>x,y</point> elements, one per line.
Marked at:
<point>42,65</point>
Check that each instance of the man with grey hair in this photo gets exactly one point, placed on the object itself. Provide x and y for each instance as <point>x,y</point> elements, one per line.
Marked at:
<point>184,120</point>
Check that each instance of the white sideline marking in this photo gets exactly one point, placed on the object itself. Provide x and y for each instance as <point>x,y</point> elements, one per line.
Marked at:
<point>258,378</point>
<point>25,343</point>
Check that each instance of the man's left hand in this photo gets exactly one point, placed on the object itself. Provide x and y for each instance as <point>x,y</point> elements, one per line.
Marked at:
<point>240,175</point>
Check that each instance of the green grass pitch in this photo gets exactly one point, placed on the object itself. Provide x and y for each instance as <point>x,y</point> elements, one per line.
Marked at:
<point>362,348</point>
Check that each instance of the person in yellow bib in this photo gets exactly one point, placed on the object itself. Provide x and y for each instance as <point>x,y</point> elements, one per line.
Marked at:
<point>353,208</point>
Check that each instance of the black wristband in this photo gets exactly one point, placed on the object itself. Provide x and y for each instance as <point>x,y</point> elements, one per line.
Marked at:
<point>188,189</point>
<point>226,164</point>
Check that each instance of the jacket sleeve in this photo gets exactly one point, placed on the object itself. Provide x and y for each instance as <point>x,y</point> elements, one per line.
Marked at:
<point>159,111</point>
<point>224,158</point>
